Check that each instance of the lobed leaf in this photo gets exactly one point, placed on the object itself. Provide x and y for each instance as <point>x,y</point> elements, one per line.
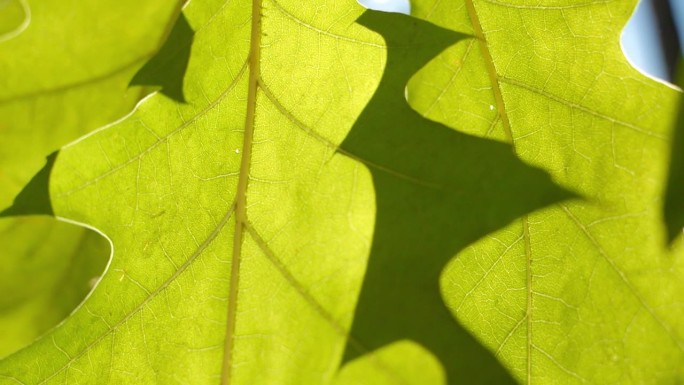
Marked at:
<point>586,291</point>
<point>281,216</point>
<point>64,73</point>
<point>242,213</point>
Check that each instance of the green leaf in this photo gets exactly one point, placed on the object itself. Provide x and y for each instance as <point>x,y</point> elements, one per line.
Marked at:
<point>247,221</point>
<point>15,16</point>
<point>584,292</point>
<point>242,219</point>
<point>64,74</point>
<point>468,187</point>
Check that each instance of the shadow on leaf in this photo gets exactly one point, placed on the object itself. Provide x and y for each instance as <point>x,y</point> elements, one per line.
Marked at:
<point>48,266</point>
<point>437,190</point>
<point>34,198</point>
<point>167,68</point>
<point>674,204</point>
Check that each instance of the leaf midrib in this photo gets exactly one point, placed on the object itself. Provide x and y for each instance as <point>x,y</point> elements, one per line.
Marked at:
<point>241,194</point>
<point>496,81</point>
<point>508,132</point>
<point>200,249</point>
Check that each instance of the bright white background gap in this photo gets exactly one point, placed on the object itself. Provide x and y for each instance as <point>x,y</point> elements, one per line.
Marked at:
<point>403,6</point>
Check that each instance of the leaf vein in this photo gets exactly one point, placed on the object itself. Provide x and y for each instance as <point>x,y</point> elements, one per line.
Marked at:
<point>321,31</point>
<point>315,305</point>
<point>558,364</point>
<point>548,7</point>
<point>328,143</point>
<point>486,274</point>
<point>161,140</point>
<point>623,277</point>
<point>451,81</point>
<point>193,257</point>
<point>241,192</point>
<point>582,108</point>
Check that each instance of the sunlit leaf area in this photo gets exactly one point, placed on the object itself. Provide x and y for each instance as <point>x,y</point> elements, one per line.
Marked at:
<point>333,192</point>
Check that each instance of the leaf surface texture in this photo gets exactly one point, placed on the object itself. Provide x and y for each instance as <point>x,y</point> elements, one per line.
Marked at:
<point>577,293</point>
<point>64,73</point>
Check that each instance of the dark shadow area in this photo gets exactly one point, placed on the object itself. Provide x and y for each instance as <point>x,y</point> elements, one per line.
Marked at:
<point>437,191</point>
<point>167,68</point>
<point>674,193</point>
<point>667,31</point>
<point>34,198</point>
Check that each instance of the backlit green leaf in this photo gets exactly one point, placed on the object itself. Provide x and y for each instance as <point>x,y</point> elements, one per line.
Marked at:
<point>584,292</point>
<point>64,73</point>
<point>242,215</point>
<point>281,215</point>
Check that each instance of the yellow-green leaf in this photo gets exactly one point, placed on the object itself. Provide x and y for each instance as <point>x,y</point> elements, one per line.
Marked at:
<point>244,215</point>
<point>586,291</point>
<point>64,73</point>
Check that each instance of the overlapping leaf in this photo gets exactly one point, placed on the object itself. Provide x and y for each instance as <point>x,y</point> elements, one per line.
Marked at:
<point>242,229</point>
<point>64,73</point>
<point>585,292</point>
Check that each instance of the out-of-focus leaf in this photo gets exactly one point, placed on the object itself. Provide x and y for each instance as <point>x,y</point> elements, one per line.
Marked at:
<point>15,16</point>
<point>63,76</point>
